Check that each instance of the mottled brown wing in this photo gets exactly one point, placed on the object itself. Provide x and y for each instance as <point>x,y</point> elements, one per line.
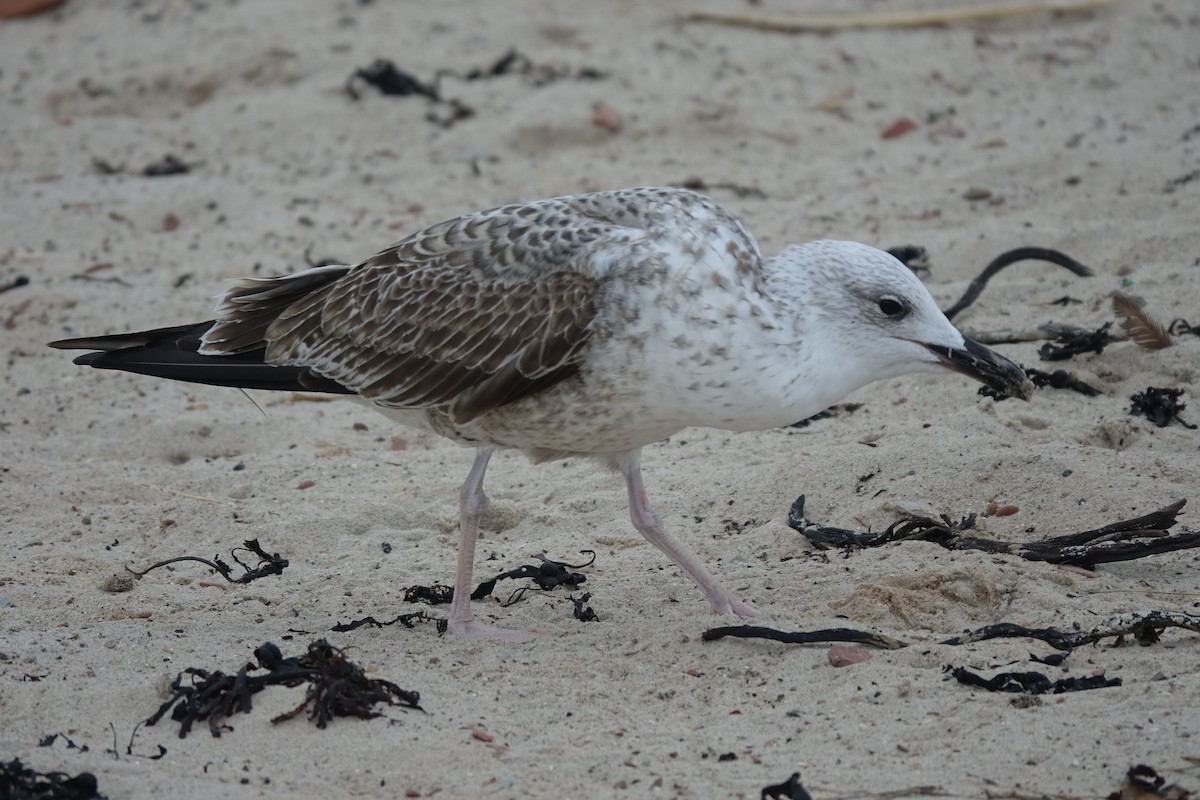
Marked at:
<point>432,336</point>
<point>469,314</point>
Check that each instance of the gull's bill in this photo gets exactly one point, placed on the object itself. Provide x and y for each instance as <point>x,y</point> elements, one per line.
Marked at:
<point>986,366</point>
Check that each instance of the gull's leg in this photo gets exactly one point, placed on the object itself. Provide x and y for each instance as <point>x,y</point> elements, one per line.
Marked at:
<point>647,522</point>
<point>472,503</point>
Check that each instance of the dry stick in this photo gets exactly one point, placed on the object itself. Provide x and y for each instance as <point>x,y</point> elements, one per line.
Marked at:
<point>900,19</point>
<point>1048,332</point>
<point>181,494</point>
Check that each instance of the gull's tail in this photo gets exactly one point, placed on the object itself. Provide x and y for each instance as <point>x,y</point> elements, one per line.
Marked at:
<point>172,353</point>
<point>228,351</point>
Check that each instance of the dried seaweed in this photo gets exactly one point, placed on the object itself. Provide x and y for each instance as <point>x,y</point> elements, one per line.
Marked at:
<point>385,76</point>
<point>804,637</point>
<point>791,789</point>
<point>48,741</point>
<point>697,184</point>
<point>15,283</point>
<point>389,80</point>
<point>1125,540</point>
<point>514,62</point>
<point>269,564</point>
<point>546,575</point>
<point>1031,682</point>
<point>20,782</point>
<point>916,258</point>
<point>1144,329</point>
<point>832,411</point>
<point>435,595</point>
<point>583,614</point>
<point>1181,327</point>
<point>166,166</point>
<point>336,688</point>
<point>976,287</point>
<point>913,256</point>
<point>1060,379</point>
<point>1160,406</point>
<point>1145,626</point>
<point>407,620</point>
<point>1070,345</point>
<point>1143,783</point>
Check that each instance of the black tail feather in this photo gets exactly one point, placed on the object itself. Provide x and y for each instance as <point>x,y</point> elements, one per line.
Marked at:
<point>172,353</point>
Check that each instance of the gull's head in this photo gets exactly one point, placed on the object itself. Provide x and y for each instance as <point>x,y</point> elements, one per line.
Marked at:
<point>876,320</point>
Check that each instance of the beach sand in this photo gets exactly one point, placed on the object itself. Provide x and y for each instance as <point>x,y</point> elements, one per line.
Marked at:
<point>1079,132</point>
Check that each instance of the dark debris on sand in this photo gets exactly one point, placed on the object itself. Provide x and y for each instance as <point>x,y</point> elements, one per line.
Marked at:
<point>337,687</point>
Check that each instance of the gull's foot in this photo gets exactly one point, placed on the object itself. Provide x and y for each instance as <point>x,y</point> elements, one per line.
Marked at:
<point>474,629</point>
<point>726,602</point>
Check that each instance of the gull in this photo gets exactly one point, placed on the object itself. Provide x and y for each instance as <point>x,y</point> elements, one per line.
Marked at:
<point>588,325</point>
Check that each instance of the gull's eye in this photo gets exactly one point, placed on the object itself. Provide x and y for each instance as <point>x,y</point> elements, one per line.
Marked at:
<point>891,307</point>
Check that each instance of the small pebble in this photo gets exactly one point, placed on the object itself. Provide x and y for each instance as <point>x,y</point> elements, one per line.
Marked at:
<point>842,656</point>
<point>604,116</point>
<point>898,128</point>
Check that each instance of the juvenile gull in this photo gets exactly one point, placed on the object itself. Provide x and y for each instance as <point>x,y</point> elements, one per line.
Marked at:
<point>588,325</point>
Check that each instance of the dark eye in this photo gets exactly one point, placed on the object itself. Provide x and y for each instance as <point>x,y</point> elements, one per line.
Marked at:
<point>892,307</point>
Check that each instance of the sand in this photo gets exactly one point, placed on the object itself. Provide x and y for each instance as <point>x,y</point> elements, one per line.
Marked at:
<point>1077,132</point>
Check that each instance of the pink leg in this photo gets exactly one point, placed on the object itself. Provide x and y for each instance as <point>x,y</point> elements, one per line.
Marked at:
<point>722,600</point>
<point>472,503</point>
